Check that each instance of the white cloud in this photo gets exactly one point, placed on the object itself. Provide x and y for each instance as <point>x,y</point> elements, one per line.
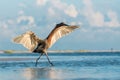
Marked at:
<point>73,23</point>
<point>71,11</point>
<point>113,19</point>
<point>58,4</point>
<point>30,19</point>
<point>10,21</point>
<point>76,23</point>
<point>26,23</point>
<point>88,3</point>
<point>3,25</point>
<point>41,2</point>
<point>22,5</point>
<point>5,30</point>
<point>51,12</point>
<point>21,12</point>
<point>96,18</point>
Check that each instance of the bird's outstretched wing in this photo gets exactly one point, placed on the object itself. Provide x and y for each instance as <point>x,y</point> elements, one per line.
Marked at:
<point>28,40</point>
<point>59,31</point>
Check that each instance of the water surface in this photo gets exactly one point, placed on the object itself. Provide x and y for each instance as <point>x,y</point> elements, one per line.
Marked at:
<point>67,66</point>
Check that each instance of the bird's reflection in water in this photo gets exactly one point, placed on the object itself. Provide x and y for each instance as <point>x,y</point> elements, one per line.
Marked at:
<point>42,73</point>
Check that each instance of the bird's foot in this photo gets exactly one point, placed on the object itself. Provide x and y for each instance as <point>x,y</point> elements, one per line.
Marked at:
<point>36,64</point>
<point>51,64</point>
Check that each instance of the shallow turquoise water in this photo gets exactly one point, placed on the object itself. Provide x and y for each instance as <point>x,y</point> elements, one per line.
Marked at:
<point>67,66</point>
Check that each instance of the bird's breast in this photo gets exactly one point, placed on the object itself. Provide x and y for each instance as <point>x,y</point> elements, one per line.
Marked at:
<point>41,47</point>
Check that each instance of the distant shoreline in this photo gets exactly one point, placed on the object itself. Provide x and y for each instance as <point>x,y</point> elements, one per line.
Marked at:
<point>59,51</point>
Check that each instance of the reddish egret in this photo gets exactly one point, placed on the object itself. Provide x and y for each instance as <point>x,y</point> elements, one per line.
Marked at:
<point>37,45</point>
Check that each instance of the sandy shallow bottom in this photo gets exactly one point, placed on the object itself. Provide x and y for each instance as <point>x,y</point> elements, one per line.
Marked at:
<point>66,67</point>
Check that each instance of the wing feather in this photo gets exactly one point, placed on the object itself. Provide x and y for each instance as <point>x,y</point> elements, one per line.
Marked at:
<point>59,32</point>
<point>28,40</point>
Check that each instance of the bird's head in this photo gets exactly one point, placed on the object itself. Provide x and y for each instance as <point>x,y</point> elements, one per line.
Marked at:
<point>64,24</point>
<point>61,24</point>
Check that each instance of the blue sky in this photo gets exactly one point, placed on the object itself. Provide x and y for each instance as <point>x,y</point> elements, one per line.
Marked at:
<point>99,21</point>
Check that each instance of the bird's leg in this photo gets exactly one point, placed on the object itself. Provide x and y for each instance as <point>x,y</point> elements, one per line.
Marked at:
<point>38,59</point>
<point>49,59</point>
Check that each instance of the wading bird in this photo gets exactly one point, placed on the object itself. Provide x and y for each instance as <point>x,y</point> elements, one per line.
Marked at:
<point>37,45</point>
